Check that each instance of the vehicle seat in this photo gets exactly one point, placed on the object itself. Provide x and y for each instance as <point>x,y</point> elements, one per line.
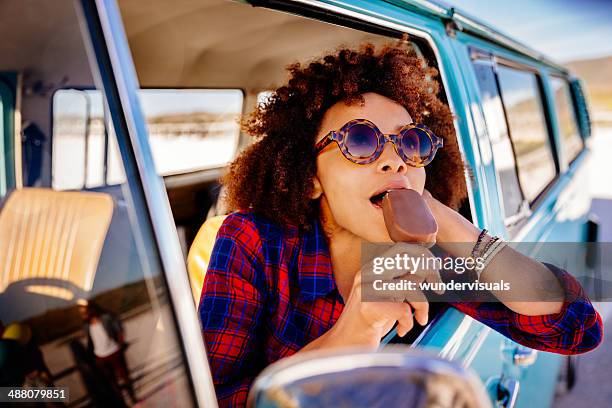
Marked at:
<point>55,237</point>
<point>199,254</point>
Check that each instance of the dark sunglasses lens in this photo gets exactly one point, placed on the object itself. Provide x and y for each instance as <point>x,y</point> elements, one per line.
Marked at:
<point>416,145</point>
<point>361,141</point>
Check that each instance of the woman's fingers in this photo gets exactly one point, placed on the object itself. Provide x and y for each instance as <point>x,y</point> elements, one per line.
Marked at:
<point>421,312</point>
<point>405,321</point>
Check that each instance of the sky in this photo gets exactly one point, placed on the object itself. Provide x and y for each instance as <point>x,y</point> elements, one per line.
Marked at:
<point>563,30</point>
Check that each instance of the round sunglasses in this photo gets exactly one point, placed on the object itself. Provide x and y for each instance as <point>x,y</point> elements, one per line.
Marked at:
<point>361,142</point>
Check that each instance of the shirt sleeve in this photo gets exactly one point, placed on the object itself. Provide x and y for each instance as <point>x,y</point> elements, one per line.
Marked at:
<point>576,329</point>
<point>230,309</point>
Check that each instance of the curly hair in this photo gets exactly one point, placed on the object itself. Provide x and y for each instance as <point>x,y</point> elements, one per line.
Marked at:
<point>274,176</point>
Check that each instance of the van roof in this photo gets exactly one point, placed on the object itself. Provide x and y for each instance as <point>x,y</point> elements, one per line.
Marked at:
<point>474,26</point>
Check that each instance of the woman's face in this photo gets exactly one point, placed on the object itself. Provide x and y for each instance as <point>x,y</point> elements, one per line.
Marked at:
<point>346,188</point>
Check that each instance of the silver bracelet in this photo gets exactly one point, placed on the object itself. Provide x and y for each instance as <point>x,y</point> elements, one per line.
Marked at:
<point>493,250</point>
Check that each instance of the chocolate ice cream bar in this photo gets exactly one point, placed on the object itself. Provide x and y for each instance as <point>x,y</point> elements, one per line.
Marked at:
<point>408,218</point>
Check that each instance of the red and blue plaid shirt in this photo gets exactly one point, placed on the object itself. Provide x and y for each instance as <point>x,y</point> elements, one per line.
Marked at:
<point>269,291</point>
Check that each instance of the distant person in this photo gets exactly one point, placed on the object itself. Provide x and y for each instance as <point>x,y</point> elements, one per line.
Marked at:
<point>106,341</point>
<point>100,388</point>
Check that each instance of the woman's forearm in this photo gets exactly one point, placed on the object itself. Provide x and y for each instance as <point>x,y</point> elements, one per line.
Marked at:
<point>534,289</point>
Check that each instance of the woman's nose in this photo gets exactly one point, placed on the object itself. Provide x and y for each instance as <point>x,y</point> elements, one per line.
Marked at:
<point>390,162</point>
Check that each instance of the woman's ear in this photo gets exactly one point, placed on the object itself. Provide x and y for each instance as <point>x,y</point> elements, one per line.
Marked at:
<point>317,190</point>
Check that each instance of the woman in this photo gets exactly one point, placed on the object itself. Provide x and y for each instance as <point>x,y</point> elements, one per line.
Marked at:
<point>284,272</point>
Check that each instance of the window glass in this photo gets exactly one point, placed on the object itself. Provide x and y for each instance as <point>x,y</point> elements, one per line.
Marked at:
<point>83,299</point>
<point>501,146</point>
<point>571,142</point>
<point>189,129</point>
<point>192,129</point>
<point>522,99</point>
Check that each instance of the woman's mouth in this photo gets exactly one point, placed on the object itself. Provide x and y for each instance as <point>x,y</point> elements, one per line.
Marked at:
<point>376,199</point>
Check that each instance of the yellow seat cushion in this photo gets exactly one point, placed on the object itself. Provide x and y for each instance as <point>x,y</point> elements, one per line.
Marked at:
<point>199,254</point>
<point>53,235</point>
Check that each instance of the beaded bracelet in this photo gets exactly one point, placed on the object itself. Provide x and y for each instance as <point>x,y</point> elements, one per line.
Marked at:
<point>488,245</point>
<point>476,248</point>
<point>488,256</point>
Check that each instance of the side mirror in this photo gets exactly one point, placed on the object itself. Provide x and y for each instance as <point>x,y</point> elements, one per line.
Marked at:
<point>391,377</point>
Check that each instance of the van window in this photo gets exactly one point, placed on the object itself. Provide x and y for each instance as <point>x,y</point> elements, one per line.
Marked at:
<point>192,129</point>
<point>497,129</point>
<point>189,129</point>
<point>571,142</point>
<point>522,99</point>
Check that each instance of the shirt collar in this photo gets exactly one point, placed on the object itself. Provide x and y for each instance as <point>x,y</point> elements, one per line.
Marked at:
<point>315,274</point>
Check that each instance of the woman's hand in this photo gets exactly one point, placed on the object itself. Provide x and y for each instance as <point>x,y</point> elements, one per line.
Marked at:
<point>452,227</point>
<point>366,322</point>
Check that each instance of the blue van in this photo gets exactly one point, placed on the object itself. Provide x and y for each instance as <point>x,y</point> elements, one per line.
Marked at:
<point>118,118</point>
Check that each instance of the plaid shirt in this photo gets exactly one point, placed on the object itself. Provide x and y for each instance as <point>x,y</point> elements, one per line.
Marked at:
<point>269,291</point>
